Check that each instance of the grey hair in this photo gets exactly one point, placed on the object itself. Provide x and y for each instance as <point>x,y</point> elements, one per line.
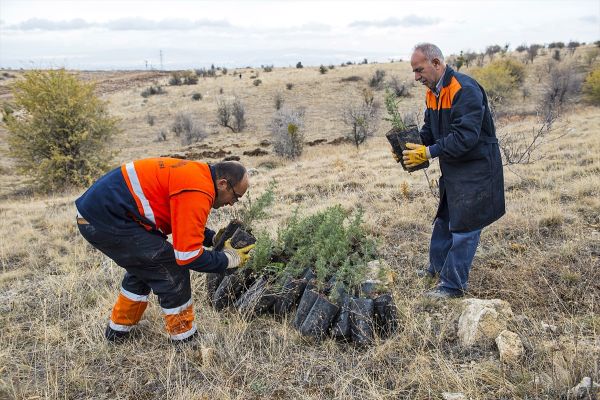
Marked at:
<point>430,51</point>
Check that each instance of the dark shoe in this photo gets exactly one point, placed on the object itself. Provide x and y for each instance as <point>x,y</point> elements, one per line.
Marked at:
<point>441,294</point>
<point>115,336</point>
<point>188,339</point>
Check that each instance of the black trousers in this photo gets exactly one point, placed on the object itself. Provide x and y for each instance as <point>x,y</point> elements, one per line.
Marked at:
<point>149,261</point>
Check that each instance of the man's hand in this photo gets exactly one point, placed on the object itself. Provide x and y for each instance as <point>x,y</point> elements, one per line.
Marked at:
<point>236,257</point>
<point>415,155</point>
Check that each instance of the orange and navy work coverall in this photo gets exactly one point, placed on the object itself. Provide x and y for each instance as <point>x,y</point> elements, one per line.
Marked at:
<point>129,213</point>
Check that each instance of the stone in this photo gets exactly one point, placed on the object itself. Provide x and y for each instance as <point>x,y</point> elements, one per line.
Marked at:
<point>586,389</point>
<point>453,396</point>
<point>481,321</point>
<point>510,347</point>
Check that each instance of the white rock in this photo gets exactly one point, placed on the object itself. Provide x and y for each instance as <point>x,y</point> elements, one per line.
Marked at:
<point>453,396</point>
<point>510,347</point>
<point>585,389</point>
<point>481,321</point>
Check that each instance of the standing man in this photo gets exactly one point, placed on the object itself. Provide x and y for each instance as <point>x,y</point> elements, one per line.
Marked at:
<point>127,215</point>
<point>458,130</point>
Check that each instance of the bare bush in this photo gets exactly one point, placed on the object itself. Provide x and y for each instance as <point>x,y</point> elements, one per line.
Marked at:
<point>278,100</point>
<point>188,130</point>
<point>362,119</point>
<point>289,86</point>
<point>150,119</point>
<point>376,81</point>
<point>161,135</point>
<point>398,87</point>
<point>287,132</point>
<point>232,114</point>
<point>562,85</point>
<point>152,90</point>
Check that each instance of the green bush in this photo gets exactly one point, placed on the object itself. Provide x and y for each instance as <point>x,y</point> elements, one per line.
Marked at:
<point>498,80</point>
<point>323,69</point>
<point>197,96</point>
<point>256,82</point>
<point>59,130</point>
<point>591,87</point>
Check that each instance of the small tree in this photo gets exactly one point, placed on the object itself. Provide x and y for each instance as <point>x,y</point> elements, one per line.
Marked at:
<point>490,51</point>
<point>591,87</point>
<point>323,69</point>
<point>299,65</point>
<point>532,51</point>
<point>278,100</point>
<point>287,132</point>
<point>362,120</point>
<point>231,115</point>
<point>59,130</point>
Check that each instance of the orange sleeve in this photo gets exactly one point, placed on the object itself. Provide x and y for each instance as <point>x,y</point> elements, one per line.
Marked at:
<point>189,212</point>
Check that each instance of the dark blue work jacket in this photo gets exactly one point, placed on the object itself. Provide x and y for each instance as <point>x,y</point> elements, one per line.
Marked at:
<point>459,127</point>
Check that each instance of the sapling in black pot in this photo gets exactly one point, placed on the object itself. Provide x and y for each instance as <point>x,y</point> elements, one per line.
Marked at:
<point>401,133</point>
<point>232,286</point>
<point>214,279</point>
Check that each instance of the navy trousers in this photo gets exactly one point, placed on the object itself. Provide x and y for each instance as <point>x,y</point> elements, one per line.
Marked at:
<point>451,254</point>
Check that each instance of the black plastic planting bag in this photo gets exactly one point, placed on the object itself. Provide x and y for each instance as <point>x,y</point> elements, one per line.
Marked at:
<point>361,320</point>
<point>319,318</point>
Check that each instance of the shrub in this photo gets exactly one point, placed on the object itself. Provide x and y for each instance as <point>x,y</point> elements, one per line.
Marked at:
<point>591,87</point>
<point>187,129</point>
<point>562,84</point>
<point>257,82</point>
<point>331,66</point>
<point>152,90</point>
<point>278,100</point>
<point>150,119</point>
<point>532,51</point>
<point>323,69</point>
<point>522,48</point>
<point>556,45</point>
<point>289,86</point>
<point>161,135</point>
<point>376,80</point>
<point>224,71</point>
<point>267,68</point>
<point>498,81</point>
<point>61,129</point>
<point>175,79</point>
<point>353,78</point>
<point>572,45</point>
<point>400,88</point>
<point>299,65</point>
<point>197,96</point>
<point>287,132</point>
<point>490,51</point>
<point>362,120</point>
<point>556,55</point>
<point>232,114</point>
<point>514,67</point>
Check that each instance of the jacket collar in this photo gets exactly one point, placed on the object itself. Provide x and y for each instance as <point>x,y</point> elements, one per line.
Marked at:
<point>448,74</point>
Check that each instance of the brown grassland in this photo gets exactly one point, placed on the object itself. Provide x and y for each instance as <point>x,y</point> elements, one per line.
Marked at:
<point>56,291</point>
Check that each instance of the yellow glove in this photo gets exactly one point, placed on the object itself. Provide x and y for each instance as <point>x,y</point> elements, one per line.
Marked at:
<point>236,257</point>
<point>415,155</point>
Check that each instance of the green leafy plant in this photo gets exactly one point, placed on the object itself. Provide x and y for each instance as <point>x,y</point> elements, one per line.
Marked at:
<point>394,117</point>
<point>59,130</point>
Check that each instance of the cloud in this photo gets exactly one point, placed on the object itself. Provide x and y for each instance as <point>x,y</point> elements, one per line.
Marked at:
<point>592,19</point>
<point>121,24</point>
<point>177,24</point>
<point>408,21</point>
<point>47,25</point>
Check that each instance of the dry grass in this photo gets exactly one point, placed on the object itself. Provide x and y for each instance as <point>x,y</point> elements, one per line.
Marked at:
<point>543,257</point>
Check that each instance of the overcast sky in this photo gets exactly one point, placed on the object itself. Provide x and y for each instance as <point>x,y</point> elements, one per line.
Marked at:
<point>86,34</point>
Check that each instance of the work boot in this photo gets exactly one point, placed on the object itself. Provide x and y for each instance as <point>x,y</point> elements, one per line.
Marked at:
<point>443,294</point>
<point>115,336</point>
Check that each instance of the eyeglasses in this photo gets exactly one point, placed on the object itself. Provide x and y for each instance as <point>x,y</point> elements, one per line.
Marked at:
<point>237,196</point>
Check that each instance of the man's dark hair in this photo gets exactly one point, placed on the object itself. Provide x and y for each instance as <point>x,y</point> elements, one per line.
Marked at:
<point>231,170</point>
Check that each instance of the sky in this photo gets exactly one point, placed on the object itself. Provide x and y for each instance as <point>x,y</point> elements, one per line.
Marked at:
<point>144,34</point>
